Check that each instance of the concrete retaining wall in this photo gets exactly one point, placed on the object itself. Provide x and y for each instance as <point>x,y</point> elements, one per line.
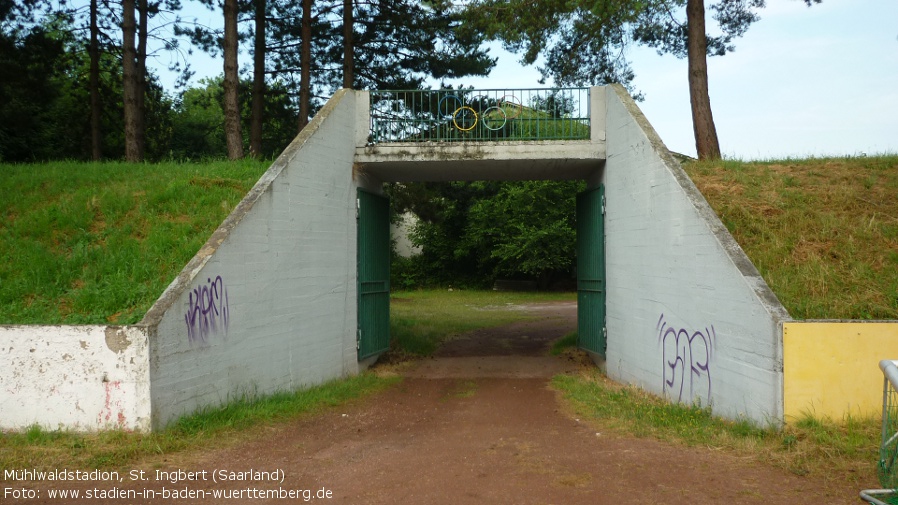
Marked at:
<point>688,314</point>
<point>78,377</point>
<point>831,368</point>
<point>269,303</point>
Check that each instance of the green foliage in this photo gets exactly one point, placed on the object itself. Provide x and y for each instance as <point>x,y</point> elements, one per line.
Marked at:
<point>198,126</point>
<point>443,212</point>
<point>582,42</point>
<point>528,228</point>
<point>473,233</point>
<point>46,101</point>
<point>198,121</point>
<point>585,42</point>
<point>98,243</point>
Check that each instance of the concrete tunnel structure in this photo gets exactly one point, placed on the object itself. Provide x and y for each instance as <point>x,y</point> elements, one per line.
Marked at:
<point>270,302</point>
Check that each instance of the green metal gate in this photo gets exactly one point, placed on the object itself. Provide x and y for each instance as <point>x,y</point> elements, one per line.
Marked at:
<point>591,270</point>
<point>373,273</point>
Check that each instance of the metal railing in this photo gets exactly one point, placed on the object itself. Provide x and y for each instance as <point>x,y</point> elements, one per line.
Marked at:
<point>486,115</point>
<point>888,448</point>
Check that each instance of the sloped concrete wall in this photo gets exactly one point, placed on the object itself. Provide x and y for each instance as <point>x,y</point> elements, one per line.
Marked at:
<point>269,303</point>
<point>74,377</point>
<point>688,315</point>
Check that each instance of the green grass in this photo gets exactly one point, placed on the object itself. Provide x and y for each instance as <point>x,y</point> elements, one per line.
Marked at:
<point>44,449</point>
<point>822,232</point>
<point>846,451</point>
<point>99,242</point>
<point>421,320</point>
<point>565,343</point>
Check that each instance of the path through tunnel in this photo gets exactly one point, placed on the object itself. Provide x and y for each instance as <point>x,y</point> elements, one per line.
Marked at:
<point>545,323</point>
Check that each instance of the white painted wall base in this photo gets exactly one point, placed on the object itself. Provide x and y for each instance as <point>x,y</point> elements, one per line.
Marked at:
<point>74,377</point>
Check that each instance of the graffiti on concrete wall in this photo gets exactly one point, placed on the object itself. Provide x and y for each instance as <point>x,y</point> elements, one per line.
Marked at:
<point>686,361</point>
<point>207,311</point>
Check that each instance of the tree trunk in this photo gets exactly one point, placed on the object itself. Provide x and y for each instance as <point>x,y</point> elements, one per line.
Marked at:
<point>706,144</point>
<point>347,44</point>
<point>129,84</point>
<point>96,135</point>
<point>305,76</point>
<point>142,34</point>
<point>258,106</point>
<point>231,80</point>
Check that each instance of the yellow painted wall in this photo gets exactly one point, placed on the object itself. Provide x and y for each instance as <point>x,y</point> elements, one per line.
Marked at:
<point>832,368</point>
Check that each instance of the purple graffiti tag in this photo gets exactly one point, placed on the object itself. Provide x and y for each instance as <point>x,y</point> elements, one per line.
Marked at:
<point>207,312</point>
<point>686,361</point>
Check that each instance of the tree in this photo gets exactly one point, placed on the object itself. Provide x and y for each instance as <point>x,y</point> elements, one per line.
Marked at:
<point>395,44</point>
<point>96,109</point>
<point>46,89</point>
<point>230,104</point>
<point>258,98</point>
<point>143,32</point>
<point>305,62</point>
<point>392,43</point>
<point>706,144</point>
<point>348,26</point>
<point>130,84</point>
<point>475,232</point>
<point>528,228</point>
<point>584,42</point>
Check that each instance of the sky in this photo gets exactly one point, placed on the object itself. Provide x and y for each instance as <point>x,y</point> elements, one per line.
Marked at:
<point>803,81</point>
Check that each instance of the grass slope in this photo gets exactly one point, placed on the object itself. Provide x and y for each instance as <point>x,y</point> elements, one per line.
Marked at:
<point>822,232</point>
<point>98,243</point>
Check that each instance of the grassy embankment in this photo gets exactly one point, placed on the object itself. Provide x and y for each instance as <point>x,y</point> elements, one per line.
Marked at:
<point>98,243</point>
<point>822,232</point>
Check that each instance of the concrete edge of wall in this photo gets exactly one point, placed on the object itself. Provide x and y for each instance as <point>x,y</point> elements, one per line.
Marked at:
<point>733,249</point>
<point>193,267</point>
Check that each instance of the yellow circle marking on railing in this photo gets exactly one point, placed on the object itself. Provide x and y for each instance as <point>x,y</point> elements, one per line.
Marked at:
<point>462,110</point>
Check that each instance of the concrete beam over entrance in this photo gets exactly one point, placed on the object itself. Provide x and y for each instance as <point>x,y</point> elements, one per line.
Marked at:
<point>477,161</point>
<point>474,161</point>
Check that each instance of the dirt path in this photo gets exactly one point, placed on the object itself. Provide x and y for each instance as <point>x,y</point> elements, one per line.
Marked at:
<point>478,425</point>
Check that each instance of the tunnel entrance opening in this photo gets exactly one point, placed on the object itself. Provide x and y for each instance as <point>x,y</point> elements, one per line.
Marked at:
<point>374,272</point>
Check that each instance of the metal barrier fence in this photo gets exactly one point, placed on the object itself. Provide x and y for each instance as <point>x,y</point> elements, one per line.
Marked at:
<point>460,115</point>
<point>888,448</point>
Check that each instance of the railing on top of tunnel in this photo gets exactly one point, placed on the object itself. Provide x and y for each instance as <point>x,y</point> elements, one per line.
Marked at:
<point>461,115</point>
